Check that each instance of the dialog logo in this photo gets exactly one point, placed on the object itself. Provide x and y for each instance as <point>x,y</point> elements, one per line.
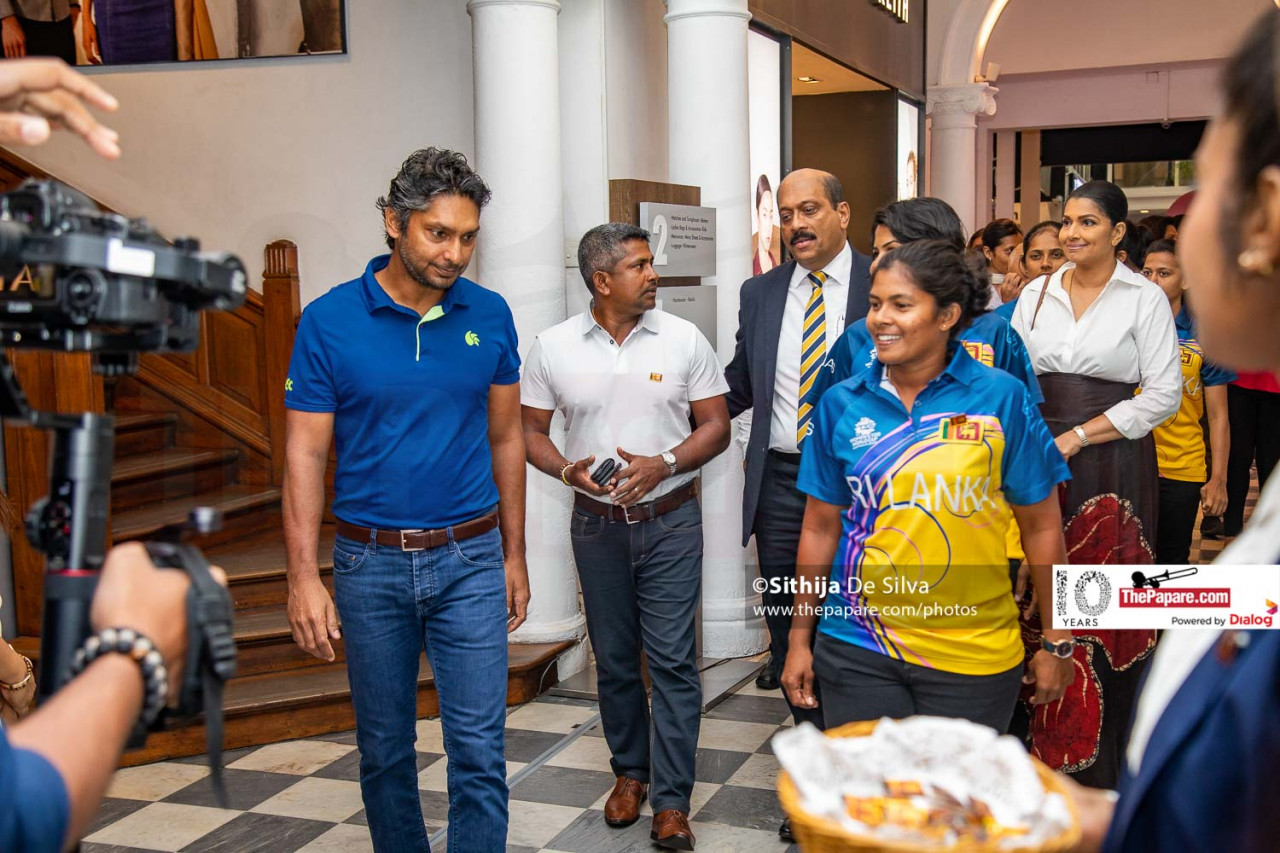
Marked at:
<point>472,339</point>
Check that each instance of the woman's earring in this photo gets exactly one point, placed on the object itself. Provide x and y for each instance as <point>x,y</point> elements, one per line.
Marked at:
<point>1256,261</point>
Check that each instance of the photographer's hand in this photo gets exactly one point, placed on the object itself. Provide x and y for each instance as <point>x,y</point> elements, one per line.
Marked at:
<point>81,731</point>
<point>39,94</point>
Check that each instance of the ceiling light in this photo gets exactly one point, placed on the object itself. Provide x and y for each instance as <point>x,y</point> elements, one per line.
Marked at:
<point>816,80</point>
<point>1144,211</point>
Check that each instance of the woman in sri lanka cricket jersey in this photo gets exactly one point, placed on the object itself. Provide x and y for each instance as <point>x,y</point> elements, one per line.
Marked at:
<point>902,470</point>
<point>1184,486</point>
<point>989,338</point>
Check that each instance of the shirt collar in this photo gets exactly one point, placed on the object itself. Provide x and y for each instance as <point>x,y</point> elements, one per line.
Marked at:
<point>961,368</point>
<point>648,321</point>
<point>838,271</point>
<point>1183,318</point>
<point>1121,273</point>
<point>457,296</point>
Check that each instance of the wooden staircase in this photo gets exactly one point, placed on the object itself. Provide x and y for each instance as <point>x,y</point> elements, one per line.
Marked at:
<point>207,429</point>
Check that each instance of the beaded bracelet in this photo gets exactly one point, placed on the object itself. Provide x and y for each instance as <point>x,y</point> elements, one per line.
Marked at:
<point>141,650</point>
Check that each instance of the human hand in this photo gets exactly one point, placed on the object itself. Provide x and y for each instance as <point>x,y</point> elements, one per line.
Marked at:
<point>14,40</point>
<point>579,476</point>
<point>1023,587</point>
<point>1213,497</point>
<point>133,593</point>
<point>517,591</point>
<point>37,95</point>
<point>89,41</point>
<point>1095,807</point>
<point>1011,288</point>
<point>1051,675</point>
<point>797,676</point>
<point>636,480</point>
<point>1068,444</point>
<point>312,617</point>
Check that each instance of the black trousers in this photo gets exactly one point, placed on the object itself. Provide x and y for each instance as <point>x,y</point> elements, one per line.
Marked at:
<point>1255,433</point>
<point>864,685</point>
<point>1179,503</point>
<point>45,38</point>
<point>777,530</point>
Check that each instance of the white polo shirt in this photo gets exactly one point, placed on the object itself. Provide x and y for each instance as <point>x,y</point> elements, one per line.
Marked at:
<point>635,396</point>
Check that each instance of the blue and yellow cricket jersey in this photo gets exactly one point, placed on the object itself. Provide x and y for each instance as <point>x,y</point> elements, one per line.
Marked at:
<point>922,493</point>
<point>1180,440</point>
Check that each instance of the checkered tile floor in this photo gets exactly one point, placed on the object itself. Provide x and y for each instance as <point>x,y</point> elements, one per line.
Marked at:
<point>304,795</point>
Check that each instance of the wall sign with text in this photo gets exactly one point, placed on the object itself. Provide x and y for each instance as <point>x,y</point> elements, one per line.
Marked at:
<point>682,237</point>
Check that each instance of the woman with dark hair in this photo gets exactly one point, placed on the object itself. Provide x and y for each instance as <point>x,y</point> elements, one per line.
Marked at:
<point>1097,332</point>
<point>1133,246</point>
<point>1040,254</point>
<point>1185,484</point>
<point>903,469</point>
<point>1200,769</point>
<point>125,32</point>
<point>1171,226</point>
<point>765,253</point>
<point>999,240</point>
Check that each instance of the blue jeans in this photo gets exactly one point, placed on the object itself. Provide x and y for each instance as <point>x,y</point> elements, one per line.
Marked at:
<point>453,600</point>
<point>640,584</point>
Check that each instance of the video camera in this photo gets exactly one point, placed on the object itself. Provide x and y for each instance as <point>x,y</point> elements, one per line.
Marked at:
<point>89,281</point>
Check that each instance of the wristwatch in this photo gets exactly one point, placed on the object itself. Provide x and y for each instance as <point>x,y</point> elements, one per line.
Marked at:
<point>1084,439</point>
<point>1062,650</point>
<point>669,458</point>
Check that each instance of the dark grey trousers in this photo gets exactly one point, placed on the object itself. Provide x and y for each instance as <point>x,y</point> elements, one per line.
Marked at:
<point>641,584</point>
<point>777,531</point>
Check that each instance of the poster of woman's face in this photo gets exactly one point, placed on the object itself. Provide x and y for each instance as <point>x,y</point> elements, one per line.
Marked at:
<point>908,146</point>
<point>765,133</point>
<point>132,32</point>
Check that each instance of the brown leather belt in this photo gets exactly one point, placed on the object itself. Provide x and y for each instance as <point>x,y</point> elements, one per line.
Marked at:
<point>420,540</point>
<point>640,512</point>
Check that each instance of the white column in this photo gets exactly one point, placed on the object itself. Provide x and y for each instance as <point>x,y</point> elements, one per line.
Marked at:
<point>954,144</point>
<point>708,133</point>
<point>516,56</point>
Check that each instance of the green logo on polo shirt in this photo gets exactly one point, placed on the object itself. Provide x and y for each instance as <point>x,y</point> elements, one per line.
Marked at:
<point>473,340</point>
<point>288,385</point>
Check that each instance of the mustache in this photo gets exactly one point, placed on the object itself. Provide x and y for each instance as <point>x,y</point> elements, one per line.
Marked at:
<point>803,235</point>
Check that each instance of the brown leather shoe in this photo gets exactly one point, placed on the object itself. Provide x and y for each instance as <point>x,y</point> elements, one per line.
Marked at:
<point>671,830</point>
<point>623,806</point>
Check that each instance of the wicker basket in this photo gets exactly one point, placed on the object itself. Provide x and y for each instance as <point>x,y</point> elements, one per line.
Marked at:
<point>820,835</point>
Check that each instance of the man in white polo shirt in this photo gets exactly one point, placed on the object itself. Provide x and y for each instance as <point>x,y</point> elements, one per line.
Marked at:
<point>627,377</point>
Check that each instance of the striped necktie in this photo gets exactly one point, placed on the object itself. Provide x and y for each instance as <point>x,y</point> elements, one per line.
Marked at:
<point>813,352</point>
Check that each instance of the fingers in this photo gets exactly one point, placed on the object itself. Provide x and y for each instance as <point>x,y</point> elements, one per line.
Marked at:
<point>19,129</point>
<point>626,457</point>
<point>67,110</point>
<point>320,638</point>
<point>1033,604</point>
<point>49,75</point>
<point>331,620</point>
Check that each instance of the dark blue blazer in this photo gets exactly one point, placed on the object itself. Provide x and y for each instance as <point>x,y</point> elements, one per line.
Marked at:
<point>1210,778</point>
<point>750,374</point>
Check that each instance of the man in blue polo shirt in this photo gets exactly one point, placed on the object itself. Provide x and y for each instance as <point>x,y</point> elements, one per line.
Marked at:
<point>413,371</point>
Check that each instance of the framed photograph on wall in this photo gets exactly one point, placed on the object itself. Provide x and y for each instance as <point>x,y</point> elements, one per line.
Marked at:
<point>908,149</point>
<point>765,60</point>
<point>136,32</point>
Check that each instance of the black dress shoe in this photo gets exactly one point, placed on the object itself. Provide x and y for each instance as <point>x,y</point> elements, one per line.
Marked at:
<point>784,831</point>
<point>768,677</point>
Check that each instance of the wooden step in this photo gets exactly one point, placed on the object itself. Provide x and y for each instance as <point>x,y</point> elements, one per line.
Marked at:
<point>256,567</point>
<point>317,700</point>
<point>245,509</point>
<point>264,643</point>
<point>143,432</point>
<point>173,472</point>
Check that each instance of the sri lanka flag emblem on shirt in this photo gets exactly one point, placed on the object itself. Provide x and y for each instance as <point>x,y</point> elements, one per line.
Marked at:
<point>981,352</point>
<point>960,430</point>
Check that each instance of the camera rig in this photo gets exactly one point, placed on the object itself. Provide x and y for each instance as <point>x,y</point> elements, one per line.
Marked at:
<point>108,285</point>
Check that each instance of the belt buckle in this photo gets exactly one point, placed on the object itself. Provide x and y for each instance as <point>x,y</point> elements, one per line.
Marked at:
<point>626,514</point>
<point>404,545</point>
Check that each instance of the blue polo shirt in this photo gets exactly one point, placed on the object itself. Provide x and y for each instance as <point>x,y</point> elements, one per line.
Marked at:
<point>409,396</point>
<point>924,496</point>
<point>990,339</point>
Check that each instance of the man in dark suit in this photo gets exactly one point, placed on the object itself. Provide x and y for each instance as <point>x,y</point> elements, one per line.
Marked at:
<point>787,321</point>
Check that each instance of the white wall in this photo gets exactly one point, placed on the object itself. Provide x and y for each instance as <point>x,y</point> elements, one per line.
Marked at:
<point>1038,35</point>
<point>636,89</point>
<point>242,153</point>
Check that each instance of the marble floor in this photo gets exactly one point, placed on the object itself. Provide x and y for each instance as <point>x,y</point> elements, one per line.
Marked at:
<point>304,795</point>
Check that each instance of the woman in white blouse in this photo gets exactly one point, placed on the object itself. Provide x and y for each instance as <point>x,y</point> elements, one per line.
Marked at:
<point>1097,332</point>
